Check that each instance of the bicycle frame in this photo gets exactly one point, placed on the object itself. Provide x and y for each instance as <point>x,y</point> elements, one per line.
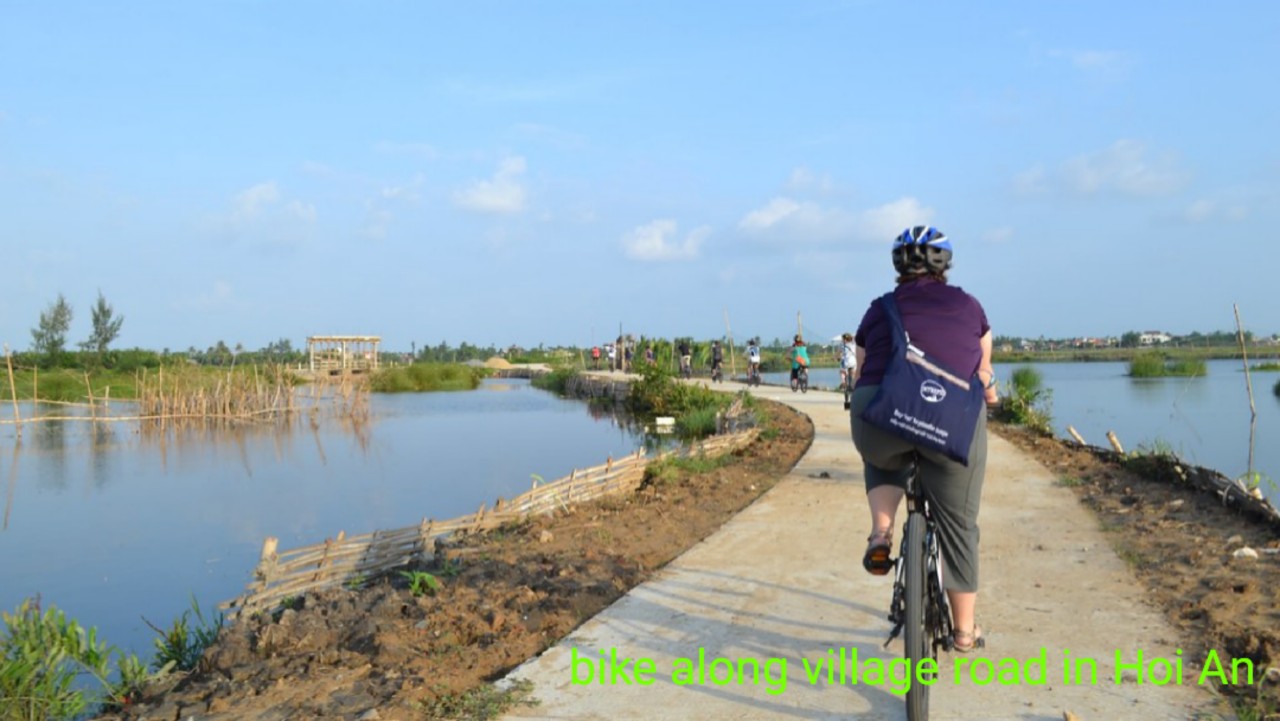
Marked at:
<point>919,606</point>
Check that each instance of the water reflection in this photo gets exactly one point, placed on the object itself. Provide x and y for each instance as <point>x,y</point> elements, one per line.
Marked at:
<point>1205,420</point>
<point>113,521</point>
<point>13,481</point>
<point>50,439</point>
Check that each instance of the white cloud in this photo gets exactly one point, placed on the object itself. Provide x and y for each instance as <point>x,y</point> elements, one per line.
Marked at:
<point>1127,167</point>
<point>247,204</point>
<point>773,212</point>
<point>803,179</point>
<point>887,221</point>
<point>502,194</point>
<point>1031,181</point>
<point>264,215</point>
<point>1205,210</point>
<point>805,221</point>
<point>306,212</point>
<point>659,241</point>
<point>407,193</point>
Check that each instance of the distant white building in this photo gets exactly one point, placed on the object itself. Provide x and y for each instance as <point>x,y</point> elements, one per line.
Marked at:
<point>1154,337</point>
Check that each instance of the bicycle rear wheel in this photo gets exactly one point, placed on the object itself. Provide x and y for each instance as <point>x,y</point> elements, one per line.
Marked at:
<point>916,634</point>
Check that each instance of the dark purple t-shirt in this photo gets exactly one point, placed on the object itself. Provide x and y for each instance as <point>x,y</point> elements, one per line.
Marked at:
<point>943,321</point>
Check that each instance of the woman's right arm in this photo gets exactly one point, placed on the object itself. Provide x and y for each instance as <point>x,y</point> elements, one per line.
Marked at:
<point>987,373</point>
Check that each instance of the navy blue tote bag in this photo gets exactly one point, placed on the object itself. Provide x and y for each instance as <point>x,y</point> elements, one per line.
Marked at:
<point>923,402</point>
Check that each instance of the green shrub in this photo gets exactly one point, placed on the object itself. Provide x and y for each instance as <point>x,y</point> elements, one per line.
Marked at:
<point>43,653</point>
<point>426,377</point>
<point>557,381</point>
<point>1147,365</point>
<point>1024,400</point>
<point>697,423</point>
<point>1153,364</point>
<point>659,393</point>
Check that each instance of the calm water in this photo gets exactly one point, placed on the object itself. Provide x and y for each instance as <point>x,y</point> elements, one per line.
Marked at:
<point>1203,420</point>
<point>113,527</point>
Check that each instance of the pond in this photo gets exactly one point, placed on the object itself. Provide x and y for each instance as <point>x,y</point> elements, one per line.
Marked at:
<point>1203,420</point>
<point>113,526</point>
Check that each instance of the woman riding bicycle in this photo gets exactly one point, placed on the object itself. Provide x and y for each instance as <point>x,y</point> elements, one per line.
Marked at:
<point>799,359</point>
<point>950,326</point>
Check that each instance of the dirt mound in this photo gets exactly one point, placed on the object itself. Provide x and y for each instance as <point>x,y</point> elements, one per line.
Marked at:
<point>498,363</point>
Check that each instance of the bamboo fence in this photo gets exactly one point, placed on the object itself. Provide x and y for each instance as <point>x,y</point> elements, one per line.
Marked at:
<point>346,559</point>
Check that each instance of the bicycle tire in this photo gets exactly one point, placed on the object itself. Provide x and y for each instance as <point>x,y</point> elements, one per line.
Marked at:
<point>916,637</point>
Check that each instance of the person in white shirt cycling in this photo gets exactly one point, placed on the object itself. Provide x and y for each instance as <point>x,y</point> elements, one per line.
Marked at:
<point>848,361</point>
<point>753,358</point>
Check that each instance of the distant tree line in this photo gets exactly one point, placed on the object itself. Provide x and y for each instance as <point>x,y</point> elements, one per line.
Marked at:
<point>1131,339</point>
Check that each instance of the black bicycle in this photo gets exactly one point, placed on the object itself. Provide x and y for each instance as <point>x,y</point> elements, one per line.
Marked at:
<point>717,372</point>
<point>753,374</point>
<point>801,380</point>
<point>919,610</point>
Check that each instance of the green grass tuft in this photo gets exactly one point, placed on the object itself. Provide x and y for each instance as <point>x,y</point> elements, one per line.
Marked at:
<point>426,377</point>
<point>1153,364</point>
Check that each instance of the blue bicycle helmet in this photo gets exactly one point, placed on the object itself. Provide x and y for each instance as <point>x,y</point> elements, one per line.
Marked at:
<point>922,249</point>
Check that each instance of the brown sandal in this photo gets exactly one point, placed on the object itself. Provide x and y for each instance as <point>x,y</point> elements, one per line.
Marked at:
<point>876,560</point>
<point>966,641</point>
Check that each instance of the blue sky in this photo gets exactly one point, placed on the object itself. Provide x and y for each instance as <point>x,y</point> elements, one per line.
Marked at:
<point>547,172</point>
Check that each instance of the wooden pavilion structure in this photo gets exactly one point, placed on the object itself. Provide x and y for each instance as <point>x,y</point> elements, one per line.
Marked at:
<point>336,354</point>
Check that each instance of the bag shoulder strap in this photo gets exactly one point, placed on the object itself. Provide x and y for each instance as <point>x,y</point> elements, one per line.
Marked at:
<point>890,307</point>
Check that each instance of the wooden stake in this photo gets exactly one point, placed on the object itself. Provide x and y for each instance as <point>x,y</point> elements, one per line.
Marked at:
<point>1115,442</point>
<point>1248,382</point>
<point>1077,436</point>
<point>17,417</point>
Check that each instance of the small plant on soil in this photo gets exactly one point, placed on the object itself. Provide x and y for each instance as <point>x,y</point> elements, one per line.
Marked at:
<point>451,568</point>
<point>480,704</point>
<point>421,583</point>
<point>184,643</point>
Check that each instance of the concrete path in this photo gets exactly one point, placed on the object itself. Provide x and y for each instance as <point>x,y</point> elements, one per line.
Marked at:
<point>781,586</point>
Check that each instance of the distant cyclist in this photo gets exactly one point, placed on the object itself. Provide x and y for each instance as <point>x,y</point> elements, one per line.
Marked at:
<point>799,359</point>
<point>717,360</point>
<point>848,361</point>
<point>753,359</point>
<point>686,359</point>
